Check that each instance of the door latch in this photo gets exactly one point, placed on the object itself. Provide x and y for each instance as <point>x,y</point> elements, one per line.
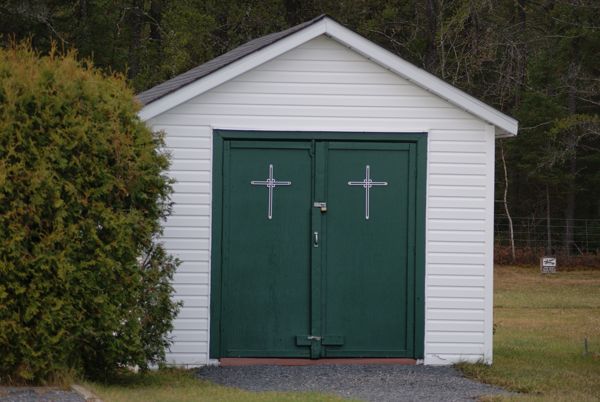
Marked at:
<point>315,239</point>
<point>308,340</point>
<point>321,205</point>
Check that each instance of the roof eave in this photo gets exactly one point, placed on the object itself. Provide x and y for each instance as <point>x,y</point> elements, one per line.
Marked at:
<point>501,133</point>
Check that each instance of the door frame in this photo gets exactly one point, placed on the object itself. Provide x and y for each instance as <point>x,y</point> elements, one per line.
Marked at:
<point>219,139</point>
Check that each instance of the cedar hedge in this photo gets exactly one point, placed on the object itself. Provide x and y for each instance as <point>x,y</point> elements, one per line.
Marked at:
<point>84,286</point>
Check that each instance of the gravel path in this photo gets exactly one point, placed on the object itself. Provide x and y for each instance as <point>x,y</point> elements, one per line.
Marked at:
<point>38,394</point>
<point>369,383</point>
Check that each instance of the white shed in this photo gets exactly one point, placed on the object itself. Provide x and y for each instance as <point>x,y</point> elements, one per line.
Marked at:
<point>332,200</point>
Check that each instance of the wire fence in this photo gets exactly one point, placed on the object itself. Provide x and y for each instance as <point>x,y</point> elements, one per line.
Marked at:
<point>536,236</point>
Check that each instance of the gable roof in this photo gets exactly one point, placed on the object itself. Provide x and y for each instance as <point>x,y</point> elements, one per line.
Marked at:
<point>202,78</point>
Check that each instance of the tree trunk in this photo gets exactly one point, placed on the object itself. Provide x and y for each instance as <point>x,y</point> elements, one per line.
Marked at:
<point>524,54</point>
<point>548,223</point>
<point>431,14</point>
<point>571,186</point>
<point>83,37</point>
<point>570,208</point>
<point>136,38</point>
<point>296,10</point>
<point>505,201</point>
<point>156,16</point>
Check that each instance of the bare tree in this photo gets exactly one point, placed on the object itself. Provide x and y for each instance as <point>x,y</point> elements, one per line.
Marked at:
<point>505,202</point>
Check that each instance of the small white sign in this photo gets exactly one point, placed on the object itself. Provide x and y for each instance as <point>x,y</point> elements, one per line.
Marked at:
<point>548,265</point>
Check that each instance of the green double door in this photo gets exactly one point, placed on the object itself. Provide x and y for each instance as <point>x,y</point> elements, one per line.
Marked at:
<point>317,249</point>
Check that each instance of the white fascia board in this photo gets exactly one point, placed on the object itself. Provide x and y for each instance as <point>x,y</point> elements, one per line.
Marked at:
<point>231,71</point>
<point>507,125</point>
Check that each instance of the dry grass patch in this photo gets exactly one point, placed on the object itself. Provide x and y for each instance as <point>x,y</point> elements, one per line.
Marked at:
<point>541,322</point>
<point>174,385</point>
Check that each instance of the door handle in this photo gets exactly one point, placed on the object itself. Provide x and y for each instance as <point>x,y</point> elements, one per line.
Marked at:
<point>315,239</point>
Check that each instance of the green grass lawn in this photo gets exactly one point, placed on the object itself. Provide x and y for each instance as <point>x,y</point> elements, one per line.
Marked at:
<point>541,323</point>
<point>181,386</point>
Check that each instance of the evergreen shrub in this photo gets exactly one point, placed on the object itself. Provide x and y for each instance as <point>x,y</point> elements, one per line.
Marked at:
<point>84,285</point>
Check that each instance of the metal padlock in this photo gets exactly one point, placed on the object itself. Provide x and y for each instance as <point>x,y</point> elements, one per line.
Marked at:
<point>321,205</point>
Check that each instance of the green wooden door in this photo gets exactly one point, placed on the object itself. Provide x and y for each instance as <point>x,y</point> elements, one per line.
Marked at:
<point>266,256</point>
<point>302,279</point>
<point>368,283</point>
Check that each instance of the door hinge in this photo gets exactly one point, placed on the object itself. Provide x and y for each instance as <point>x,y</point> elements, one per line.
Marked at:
<point>307,340</point>
<point>327,340</point>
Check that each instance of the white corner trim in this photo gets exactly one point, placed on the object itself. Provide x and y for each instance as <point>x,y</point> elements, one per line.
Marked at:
<point>488,341</point>
<point>506,125</point>
<point>231,71</point>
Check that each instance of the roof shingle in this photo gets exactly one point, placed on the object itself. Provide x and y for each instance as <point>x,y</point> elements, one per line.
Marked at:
<point>215,64</point>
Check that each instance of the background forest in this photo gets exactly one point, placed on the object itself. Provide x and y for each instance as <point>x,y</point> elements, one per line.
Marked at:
<point>536,60</point>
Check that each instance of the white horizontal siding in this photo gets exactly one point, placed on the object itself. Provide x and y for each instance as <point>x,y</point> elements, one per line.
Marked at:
<point>455,292</point>
<point>190,164</point>
<point>462,192</point>
<point>453,313</point>
<point>289,64</point>
<point>190,335</point>
<point>189,221</point>
<point>455,270</point>
<point>456,326</point>
<point>409,101</point>
<point>192,210</point>
<point>308,122</point>
<point>198,277</point>
<point>186,235</point>
<point>458,291</point>
<point>191,324</point>
<point>452,302</point>
<point>445,336</point>
<point>324,86</point>
<point>193,265</point>
<point>187,232</point>
<point>400,88</point>
<point>193,301</point>
<point>287,111</point>
<point>192,290</point>
<point>185,244</point>
<point>443,178</point>
<point>449,223</point>
<point>195,313</point>
<point>460,348</point>
<point>192,255</point>
<point>455,280</point>
<point>475,246</point>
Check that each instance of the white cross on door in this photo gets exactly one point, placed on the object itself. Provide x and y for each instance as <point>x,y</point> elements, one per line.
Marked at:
<point>271,183</point>
<point>367,183</point>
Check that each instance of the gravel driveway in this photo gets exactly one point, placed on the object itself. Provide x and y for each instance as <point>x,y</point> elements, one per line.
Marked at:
<point>369,382</point>
<point>38,394</point>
